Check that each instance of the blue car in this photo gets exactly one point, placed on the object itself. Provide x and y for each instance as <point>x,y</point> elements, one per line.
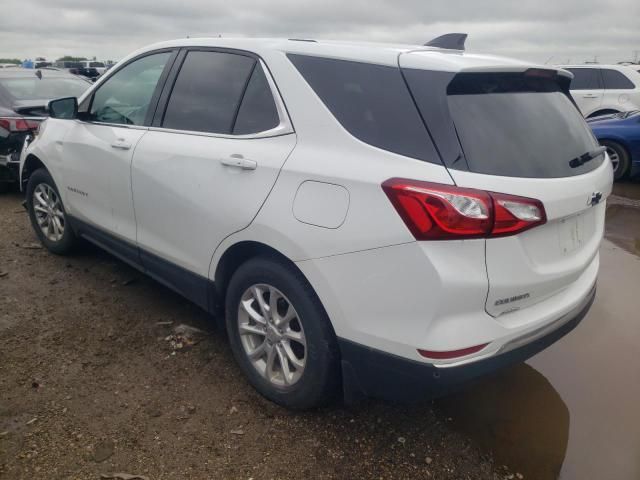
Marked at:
<point>620,133</point>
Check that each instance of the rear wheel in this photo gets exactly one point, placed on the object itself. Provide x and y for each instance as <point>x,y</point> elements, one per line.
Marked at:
<point>47,214</point>
<point>280,334</point>
<point>619,158</point>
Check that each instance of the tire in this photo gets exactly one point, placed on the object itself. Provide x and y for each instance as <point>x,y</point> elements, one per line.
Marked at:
<point>319,380</point>
<point>47,214</point>
<point>619,158</point>
<point>4,187</point>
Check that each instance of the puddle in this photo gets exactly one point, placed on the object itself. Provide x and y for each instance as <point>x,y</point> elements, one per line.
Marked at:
<point>573,411</point>
<point>517,415</point>
<point>628,189</point>
<point>623,227</point>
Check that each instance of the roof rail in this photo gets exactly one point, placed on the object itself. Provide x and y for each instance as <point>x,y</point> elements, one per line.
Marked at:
<point>450,41</point>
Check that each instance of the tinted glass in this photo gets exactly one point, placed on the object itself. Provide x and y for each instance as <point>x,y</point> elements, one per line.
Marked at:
<point>45,89</point>
<point>258,111</point>
<point>516,126</point>
<point>585,79</point>
<point>207,92</point>
<point>371,102</point>
<point>615,80</point>
<point>125,97</point>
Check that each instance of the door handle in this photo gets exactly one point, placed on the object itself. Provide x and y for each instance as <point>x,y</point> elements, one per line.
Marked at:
<point>590,95</point>
<point>238,161</point>
<point>121,144</point>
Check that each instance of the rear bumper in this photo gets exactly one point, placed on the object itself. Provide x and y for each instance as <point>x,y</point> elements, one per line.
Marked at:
<point>369,372</point>
<point>9,167</point>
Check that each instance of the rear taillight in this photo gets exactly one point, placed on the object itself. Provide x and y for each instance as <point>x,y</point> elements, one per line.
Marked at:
<point>18,124</point>
<point>434,211</point>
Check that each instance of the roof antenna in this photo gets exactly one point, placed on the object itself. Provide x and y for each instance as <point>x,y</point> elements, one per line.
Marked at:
<point>450,41</point>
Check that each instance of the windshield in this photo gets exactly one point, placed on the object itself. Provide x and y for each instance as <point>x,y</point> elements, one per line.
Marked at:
<point>32,88</point>
<point>519,126</point>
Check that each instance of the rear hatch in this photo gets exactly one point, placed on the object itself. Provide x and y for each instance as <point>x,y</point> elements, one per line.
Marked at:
<point>515,130</point>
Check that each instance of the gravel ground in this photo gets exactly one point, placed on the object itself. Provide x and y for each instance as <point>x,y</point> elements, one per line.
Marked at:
<point>93,382</point>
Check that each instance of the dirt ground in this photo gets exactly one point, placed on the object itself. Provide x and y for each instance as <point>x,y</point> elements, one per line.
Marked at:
<point>91,384</point>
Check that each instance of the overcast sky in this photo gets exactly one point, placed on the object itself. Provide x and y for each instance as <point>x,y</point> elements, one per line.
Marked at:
<point>559,30</point>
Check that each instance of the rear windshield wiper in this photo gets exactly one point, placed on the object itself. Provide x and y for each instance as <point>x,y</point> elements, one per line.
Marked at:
<point>582,159</point>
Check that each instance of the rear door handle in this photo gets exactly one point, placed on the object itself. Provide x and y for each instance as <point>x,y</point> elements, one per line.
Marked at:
<point>239,161</point>
<point>590,95</point>
<point>121,144</point>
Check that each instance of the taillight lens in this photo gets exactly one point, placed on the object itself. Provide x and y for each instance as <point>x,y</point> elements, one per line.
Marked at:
<point>18,124</point>
<point>515,214</point>
<point>440,212</point>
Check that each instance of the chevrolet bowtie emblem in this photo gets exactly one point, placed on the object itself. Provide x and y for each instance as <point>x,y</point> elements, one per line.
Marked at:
<point>594,199</point>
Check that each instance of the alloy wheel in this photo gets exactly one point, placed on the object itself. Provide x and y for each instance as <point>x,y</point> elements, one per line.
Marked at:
<point>614,157</point>
<point>272,335</point>
<point>48,212</point>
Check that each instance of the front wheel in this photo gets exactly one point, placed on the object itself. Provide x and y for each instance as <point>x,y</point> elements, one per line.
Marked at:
<point>619,158</point>
<point>47,214</point>
<point>280,334</point>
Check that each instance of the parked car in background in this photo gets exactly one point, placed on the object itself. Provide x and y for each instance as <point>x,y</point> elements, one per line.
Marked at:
<point>78,68</point>
<point>100,67</point>
<point>603,89</point>
<point>620,133</point>
<point>24,94</point>
<point>379,220</point>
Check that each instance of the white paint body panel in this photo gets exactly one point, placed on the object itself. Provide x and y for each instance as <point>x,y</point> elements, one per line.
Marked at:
<point>97,176</point>
<point>321,204</point>
<point>541,262</point>
<point>187,201</point>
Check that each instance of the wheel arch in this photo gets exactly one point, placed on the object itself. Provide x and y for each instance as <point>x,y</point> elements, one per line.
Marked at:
<point>31,164</point>
<point>603,111</point>
<point>620,141</point>
<point>237,254</point>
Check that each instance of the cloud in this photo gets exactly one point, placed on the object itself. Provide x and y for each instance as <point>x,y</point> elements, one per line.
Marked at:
<point>553,30</point>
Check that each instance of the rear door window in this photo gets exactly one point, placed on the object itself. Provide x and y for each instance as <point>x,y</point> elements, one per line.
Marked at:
<point>371,102</point>
<point>614,80</point>
<point>585,79</point>
<point>207,93</point>
<point>258,112</point>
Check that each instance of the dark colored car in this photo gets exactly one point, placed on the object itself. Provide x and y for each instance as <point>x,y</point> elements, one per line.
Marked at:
<point>24,94</point>
<point>79,68</point>
<point>620,133</point>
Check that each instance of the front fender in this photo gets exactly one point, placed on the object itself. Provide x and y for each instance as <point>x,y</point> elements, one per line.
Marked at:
<point>47,147</point>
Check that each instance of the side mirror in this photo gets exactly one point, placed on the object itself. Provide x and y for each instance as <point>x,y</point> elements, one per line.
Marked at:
<point>64,108</point>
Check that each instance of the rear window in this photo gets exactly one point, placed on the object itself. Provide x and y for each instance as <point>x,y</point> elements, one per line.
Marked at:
<point>45,89</point>
<point>371,102</point>
<point>518,125</point>
<point>614,80</point>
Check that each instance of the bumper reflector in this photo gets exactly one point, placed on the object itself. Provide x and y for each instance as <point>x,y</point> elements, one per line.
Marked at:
<point>451,353</point>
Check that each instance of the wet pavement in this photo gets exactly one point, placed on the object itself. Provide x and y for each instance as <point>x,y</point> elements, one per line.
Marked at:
<point>573,411</point>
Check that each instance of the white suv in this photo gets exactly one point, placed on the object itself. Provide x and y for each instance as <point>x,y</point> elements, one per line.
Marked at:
<point>373,220</point>
<point>604,89</point>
